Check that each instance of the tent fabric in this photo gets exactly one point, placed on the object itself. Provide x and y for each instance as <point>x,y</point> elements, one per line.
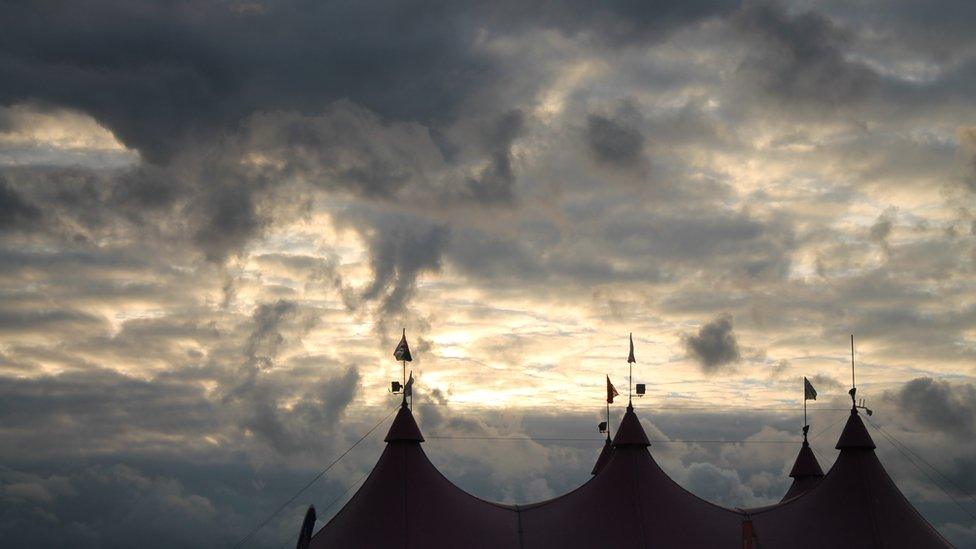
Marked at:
<point>855,505</point>
<point>628,502</point>
<point>404,428</point>
<point>604,457</point>
<point>806,472</point>
<point>631,502</point>
<point>630,432</point>
<point>406,502</point>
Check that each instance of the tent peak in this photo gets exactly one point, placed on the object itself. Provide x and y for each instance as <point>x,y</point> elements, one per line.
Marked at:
<point>806,464</point>
<point>404,427</point>
<point>855,436</point>
<point>630,432</point>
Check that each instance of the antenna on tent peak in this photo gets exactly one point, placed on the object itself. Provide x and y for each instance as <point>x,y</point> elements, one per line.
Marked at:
<point>853,391</point>
<point>865,408</point>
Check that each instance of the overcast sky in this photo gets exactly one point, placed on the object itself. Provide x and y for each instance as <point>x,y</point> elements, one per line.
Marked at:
<point>216,217</point>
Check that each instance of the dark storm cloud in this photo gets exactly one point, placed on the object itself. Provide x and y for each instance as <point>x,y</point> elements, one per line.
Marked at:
<point>939,405</point>
<point>194,67</point>
<point>801,58</point>
<point>156,74</point>
<point>714,346</point>
<point>615,140</point>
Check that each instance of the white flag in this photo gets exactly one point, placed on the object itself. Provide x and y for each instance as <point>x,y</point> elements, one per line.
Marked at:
<point>408,388</point>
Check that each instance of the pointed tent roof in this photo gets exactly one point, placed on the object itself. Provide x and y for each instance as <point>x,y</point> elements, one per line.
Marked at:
<point>406,502</point>
<point>855,436</point>
<point>855,505</point>
<point>630,432</point>
<point>806,472</point>
<point>404,427</point>
<point>604,457</point>
<point>631,503</point>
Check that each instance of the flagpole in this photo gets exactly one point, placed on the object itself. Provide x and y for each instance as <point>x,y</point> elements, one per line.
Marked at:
<point>630,381</point>
<point>630,385</point>
<point>853,384</point>
<point>805,404</point>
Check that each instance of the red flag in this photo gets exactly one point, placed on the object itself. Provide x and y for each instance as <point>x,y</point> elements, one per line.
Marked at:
<point>611,391</point>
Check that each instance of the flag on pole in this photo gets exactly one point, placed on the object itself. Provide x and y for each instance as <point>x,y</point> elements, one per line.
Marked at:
<point>809,393</point>
<point>408,388</point>
<point>611,391</point>
<point>402,352</point>
<point>631,358</point>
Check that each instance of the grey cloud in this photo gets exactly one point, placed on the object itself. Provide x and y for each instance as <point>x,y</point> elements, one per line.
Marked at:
<point>729,243</point>
<point>893,27</point>
<point>715,346</point>
<point>109,412</point>
<point>301,427</point>
<point>265,338</point>
<point>61,321</point>
<point>232,222</point>
<point>106,505</point>
<point>406,62</point>
<point>401,249</point>
<point>968,136</point>
<point>211,78</point>
<point>823,381</point>
<point>801,58</point>
<point>719,485</point>
<point>15,212</point>
<point>882,229</point>
<point>615,140</point>
<point>495,182</point>
<point>950,408</point>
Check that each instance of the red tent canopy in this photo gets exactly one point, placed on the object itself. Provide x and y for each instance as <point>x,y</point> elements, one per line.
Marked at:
<point>855,505</point>
<point>629,502</point>
<point>406,502</point>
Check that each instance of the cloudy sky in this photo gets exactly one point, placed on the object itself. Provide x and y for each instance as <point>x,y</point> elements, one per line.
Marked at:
<point>216,216</point>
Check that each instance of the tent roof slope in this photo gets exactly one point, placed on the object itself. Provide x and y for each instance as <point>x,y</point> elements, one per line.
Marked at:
<point>404,428</point>
<point>604,457</point>
<point>630,503</point>
<point>855,505</point>
<point>630,432</point>
<point>406,502</point>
